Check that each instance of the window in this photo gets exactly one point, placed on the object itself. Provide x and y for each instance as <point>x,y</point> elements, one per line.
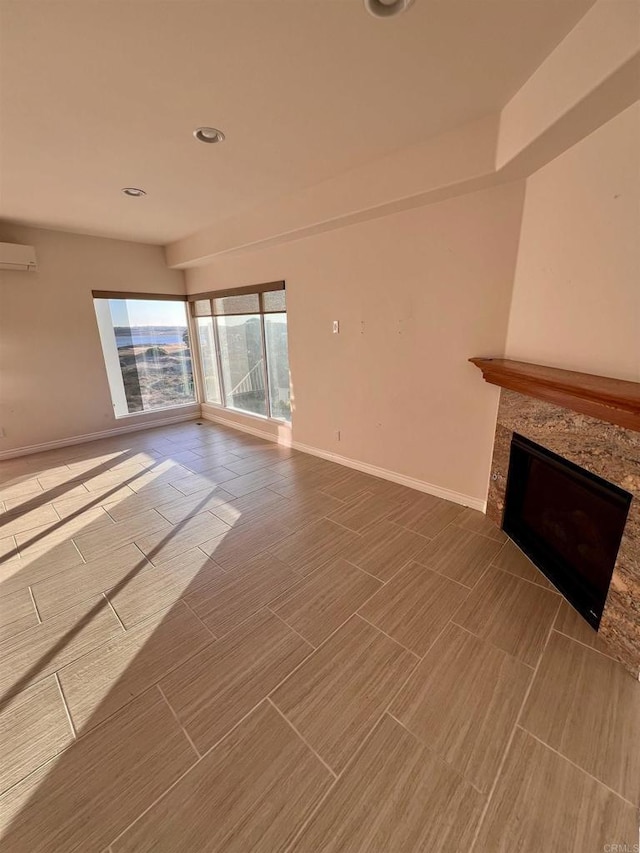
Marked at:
<point>275,328</point>
<point>242,336</point>
<point>242,360</point>
<point>208,359</point>
<point>147,354</point>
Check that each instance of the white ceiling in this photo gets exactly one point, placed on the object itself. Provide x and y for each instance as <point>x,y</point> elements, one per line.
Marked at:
<point>101,94</point>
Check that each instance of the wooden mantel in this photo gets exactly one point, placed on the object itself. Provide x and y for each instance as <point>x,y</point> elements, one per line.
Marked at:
<point>614,400</point>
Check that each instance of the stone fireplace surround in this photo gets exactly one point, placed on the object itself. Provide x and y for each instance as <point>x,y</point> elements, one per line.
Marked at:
<point>605,449</point>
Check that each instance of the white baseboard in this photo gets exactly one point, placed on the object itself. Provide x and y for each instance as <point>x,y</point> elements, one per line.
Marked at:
<point>365,467</point>
<point>208,415</point>
<point>94,436</point>
<point>394,477</point>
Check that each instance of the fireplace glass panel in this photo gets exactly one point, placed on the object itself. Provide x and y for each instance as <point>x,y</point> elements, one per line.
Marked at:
<point>567,520</point>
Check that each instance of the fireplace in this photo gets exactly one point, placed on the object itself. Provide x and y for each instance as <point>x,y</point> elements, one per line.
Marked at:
<point>567,520</point>
<point>594,423</point>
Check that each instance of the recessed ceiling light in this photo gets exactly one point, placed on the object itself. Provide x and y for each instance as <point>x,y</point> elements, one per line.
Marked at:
<point>208,134</point>
<point>386,8</point>
<point>134,192</point>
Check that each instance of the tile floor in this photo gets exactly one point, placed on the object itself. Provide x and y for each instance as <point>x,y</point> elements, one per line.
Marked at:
<point>212,643</point>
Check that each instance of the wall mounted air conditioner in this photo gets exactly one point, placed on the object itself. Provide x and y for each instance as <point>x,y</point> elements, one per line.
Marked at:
<point>16,257</point>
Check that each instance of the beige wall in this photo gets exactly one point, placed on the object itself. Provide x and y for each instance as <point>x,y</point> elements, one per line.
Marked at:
<point>576,298</point>
<point>53,383</point>
<point>416,295</point>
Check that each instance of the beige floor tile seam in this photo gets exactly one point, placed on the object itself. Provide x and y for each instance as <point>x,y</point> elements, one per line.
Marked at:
<point>167,672</point>
<point>133,515</point>
<point>453,580</point>
<point>454,523</point>
<point>362,746</point>
<point>54,758</point>
<point>478,533</point>
<point>325,517</point>
<point>14,514</point>
<point>103,592</point>
<point>244,621</point>
<point>388,636</point>
<point>114,611</point>
<point>314,811</point>
<point>288,477</point>
<point>66,706</point>
<point>9,692</point>
<point>72,483</point>
<point>300,583</point>
<point>437,637</point>
<point>324,642</point>
<point>290,627</point>
<point>193,612</point>
<point>177,719</point>
<point>77,481</point>
<point>23,549</point>
<point>35,606</point>
<point>186,772</point>
<point>100,498</point>
<point>439,634</point>
<point>14,546</point>
<point>410,529</point>
<point>267,552</point>
<point>341,526</point>
<point>411,673</point>
<point>143,556</point>
<point>19,489</point>
<point>578,767</point>
<point>403,529</point>
<point>489,643</point>
<point>302,663</point>
<point>82,557</point>
<point>302,738</point>
<point>35,770</point>
<point>482,575</point>
<point>371,575</point>
<point>440,757</point>
<point>317,519</point>
<point>169,504</point>
<point>209,557</point>
<point>507,748</point>
<point>178,527</point>
<point>359,749</point>
<point>102,555</point>
<point>553,589</point>
<point>591,648</point>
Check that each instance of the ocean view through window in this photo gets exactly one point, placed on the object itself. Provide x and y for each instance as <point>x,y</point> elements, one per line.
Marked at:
<point>147,353</point>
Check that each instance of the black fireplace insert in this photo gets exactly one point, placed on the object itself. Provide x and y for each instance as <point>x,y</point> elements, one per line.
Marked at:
<point>568,521</point>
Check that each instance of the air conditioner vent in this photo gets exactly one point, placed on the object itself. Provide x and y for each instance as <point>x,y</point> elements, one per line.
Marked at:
<point>13,256</point>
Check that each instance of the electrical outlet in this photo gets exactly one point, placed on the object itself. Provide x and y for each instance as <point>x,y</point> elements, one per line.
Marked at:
<point>336,327</point>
